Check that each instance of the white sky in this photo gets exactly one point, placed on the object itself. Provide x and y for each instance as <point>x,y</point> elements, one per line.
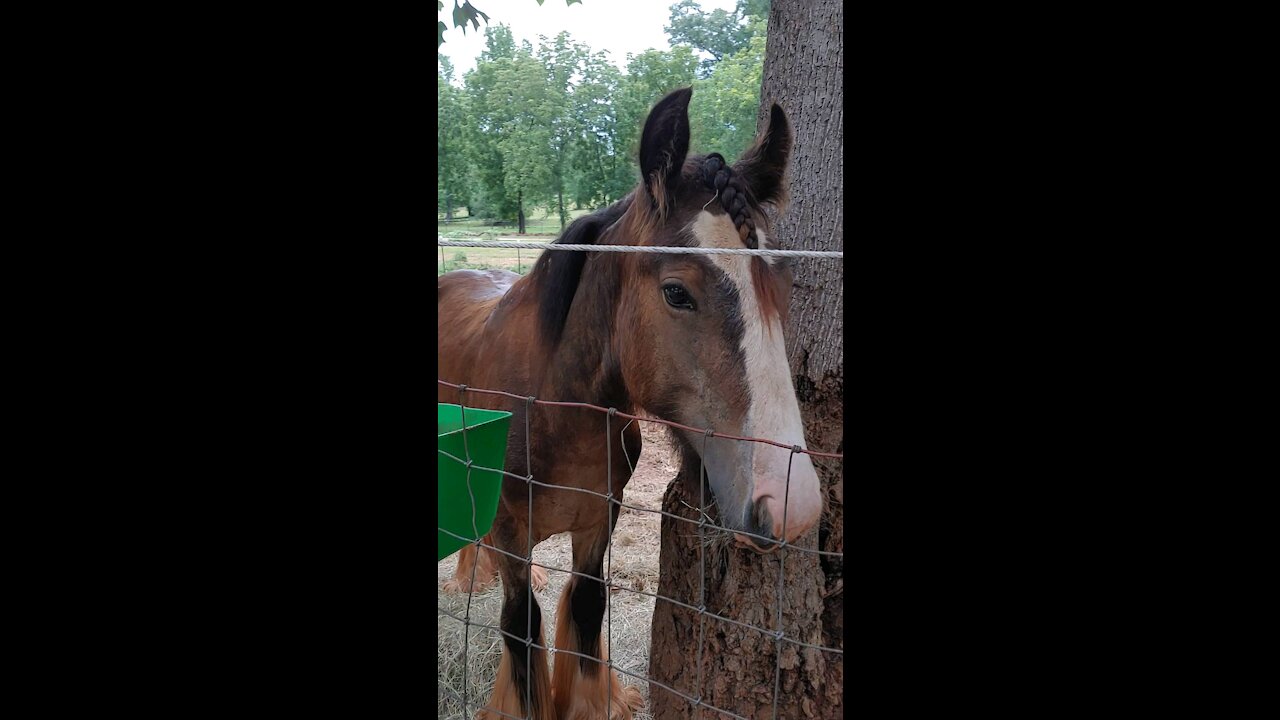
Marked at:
<point>619,26</point>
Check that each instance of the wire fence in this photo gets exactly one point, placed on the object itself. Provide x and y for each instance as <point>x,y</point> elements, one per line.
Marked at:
<point>781,547</point>
<point>661,250</point>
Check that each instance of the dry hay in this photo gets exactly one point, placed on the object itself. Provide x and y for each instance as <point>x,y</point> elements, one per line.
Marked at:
<point>635,566</point>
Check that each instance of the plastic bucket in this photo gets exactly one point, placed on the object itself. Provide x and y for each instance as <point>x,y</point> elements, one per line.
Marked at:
<point>486,447</point>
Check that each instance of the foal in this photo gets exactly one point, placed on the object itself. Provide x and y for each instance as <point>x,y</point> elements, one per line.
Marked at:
<point>697,339</point>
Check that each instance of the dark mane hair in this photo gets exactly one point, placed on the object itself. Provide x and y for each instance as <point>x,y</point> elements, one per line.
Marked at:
<point>557,273</point>
<point>731,189</point>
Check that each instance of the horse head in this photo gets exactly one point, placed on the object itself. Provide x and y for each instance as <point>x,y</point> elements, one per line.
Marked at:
<point>699,338</point>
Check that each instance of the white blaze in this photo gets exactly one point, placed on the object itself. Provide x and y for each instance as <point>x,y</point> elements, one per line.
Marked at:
<point>774,413</point>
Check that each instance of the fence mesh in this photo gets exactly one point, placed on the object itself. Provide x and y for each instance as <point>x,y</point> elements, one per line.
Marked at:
<point>470,705</point>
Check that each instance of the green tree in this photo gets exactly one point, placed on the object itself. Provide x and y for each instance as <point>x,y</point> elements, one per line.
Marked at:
<point>561,60</point>
<point>718,33</point>
<point>486,122</point>
<point>525,135</point>
<point>594,158</point>
<point>650,76</point>
<point>452,118</point>
<point>722,115</point>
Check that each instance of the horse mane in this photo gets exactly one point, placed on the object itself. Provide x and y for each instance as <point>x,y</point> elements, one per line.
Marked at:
<point>731,189</point>
<point>558,273</point>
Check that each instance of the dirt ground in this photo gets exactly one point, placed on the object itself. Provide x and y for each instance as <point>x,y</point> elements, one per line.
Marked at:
<point>635,566</point>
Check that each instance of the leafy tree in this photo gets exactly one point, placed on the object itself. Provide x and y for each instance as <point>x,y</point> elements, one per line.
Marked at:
<point>718,33</point>
<point>650,75</point>
<point>521,108</point>
<point>722,115</point>
<point>451,134</point>
<point>487,120</point>
<point>559,126</point>
<point>561,60</point>
<point>594,159</point>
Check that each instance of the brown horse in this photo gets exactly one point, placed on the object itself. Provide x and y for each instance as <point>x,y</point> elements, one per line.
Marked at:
<point>696,339</point>
<point>485,571</point>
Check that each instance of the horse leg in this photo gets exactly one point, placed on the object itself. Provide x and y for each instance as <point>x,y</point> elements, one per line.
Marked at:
<point>523,687</point>
<point>482,566</point>
<point>584,687</point>
<point>486,573</point>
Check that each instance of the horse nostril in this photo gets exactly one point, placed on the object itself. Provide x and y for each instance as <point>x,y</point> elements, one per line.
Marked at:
<point>770,521</point>
<point>764,547</point>
<point>759,522</point>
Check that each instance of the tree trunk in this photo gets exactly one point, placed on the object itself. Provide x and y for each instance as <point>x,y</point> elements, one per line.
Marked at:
<point>803,73</point>
<point>520,211</point>
<point>448,206</point>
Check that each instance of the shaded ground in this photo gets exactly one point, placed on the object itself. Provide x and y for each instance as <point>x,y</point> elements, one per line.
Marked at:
<point>635,566</point>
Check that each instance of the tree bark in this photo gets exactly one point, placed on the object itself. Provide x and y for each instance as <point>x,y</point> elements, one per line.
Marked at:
<point>520,211</point>
<point>804,74</point>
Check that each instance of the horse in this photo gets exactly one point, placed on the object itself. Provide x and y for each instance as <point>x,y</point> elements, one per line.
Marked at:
<point>468,579</point>
<point>695,339</point>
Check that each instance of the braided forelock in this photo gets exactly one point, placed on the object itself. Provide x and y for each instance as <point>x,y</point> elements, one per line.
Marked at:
<point>734,195</point>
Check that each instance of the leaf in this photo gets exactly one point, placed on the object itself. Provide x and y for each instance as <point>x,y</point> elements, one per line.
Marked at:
<point>439,6</point>
<point>539,3</point>
<point>440,28</point>
<point>468,13</point>
<point>567,3</point>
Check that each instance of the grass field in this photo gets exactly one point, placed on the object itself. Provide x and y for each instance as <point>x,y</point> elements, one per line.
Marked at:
<point>541,226</point>
<point>517,261</point>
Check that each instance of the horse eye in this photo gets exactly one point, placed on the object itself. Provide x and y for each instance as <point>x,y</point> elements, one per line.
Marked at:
<point>677,297</point>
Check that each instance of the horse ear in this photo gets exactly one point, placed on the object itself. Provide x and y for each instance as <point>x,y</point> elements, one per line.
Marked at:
<point>765,162</point>
<point>663,146</point>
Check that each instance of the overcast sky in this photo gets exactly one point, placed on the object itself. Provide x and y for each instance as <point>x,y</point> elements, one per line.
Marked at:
<point>619,26</point>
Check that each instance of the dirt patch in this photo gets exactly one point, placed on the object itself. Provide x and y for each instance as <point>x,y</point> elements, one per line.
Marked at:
<point>634,568</point>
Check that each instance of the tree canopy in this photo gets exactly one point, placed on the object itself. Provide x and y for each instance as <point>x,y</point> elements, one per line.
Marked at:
<point>557,126</point>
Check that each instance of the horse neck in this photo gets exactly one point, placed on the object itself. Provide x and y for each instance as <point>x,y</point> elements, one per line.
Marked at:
<point>584,366</point>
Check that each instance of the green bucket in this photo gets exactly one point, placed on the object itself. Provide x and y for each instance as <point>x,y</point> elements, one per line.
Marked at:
<point>487,443</point>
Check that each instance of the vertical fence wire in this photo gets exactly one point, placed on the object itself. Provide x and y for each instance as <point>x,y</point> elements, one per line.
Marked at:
<point>608,586</point>
<point>702,562</point>
<point>782,550</point>
<point>466,632</point>
<point>528,571</point>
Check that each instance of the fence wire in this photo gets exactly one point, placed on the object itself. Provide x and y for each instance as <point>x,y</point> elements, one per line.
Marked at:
<point>659,249</point>
<point>777,633</point>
